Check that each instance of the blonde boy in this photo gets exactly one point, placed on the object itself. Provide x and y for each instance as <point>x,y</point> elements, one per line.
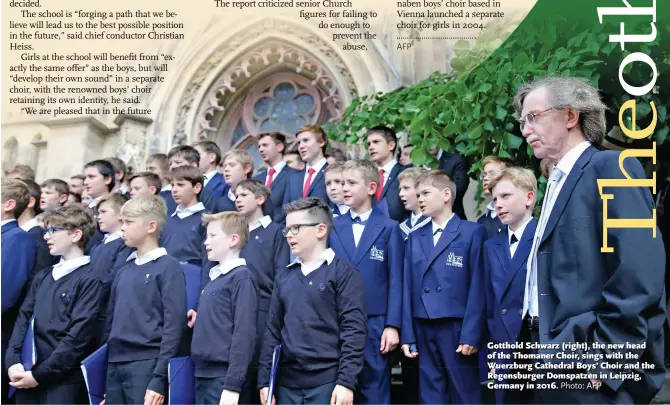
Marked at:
<point>334,183</point>
<point>238,165</point>
<point>407,179</point>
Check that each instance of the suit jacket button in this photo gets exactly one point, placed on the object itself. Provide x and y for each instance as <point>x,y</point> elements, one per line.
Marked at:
<point>426,290</point>
<point>438,289</point>
<point>504,311</point>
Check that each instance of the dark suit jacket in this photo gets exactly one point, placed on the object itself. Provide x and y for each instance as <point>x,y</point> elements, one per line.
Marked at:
<point>505,282</point>
<point>457,167</point>
<point>586,295</point>
<point>216,185</point>
<point>277,190</point>
<point>317,188</point>
<point>391,194</point>
<point>493,225</point>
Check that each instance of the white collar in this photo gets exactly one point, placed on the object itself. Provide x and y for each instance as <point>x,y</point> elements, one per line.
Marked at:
<point>93,202</point>
<point>231,194</point>
<point>519,232</point>
<point>167,188</point>
<point>187,212</point>
<point>210,175</point>
<point>327,256</point>
<point>221,269</point>
<point>65,267</point>
<point>278,167</point>
<point>342,209</point>
<point>388,167</point>
<point>364,217</point>
<point>317,166</point>
<point>6,221</point>
<point>568,161</point>
<point>439,154</point>
<point>413,218</point>
<point>30,225</point>
<point>491,210</point>
<point>123,189</point>
<point>264,222</point>
<point>148,257</point>
<point>443,226</point>
<point>111,237</point>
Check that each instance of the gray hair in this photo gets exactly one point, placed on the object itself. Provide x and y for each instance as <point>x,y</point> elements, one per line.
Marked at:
<point>317,210</point>
<point>570,92</point>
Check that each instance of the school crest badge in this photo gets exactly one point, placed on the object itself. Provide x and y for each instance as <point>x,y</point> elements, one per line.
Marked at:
<point>376,254</point>
<point>454,261</point>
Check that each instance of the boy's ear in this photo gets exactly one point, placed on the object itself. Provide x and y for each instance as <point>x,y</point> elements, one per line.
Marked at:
<point>9,206</point>
<point>153,189</point>
<point>321,231</point>
<point>197,188</point>
<point>234,241</point>
<point>107,180</point>
<point>31,202</point>
<point>63,199</point>
<point>260,200</point>
<point>152,226</point>
<point>248,169</point>
<point>76,236</point>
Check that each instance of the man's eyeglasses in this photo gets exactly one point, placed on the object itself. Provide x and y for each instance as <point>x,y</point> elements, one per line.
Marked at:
<point>531,117</point>
<point>53,229</point>
<point>294,229</point>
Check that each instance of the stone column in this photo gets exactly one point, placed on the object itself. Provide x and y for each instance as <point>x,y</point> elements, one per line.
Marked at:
<point>133,141</point>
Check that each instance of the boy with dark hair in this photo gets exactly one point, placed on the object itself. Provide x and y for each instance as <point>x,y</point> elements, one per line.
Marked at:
<point>293,159</point>
<point>319,364</point>
<point>184,155</point>
<point>272,146</point>
<point>147,309</point>
<point>64,300</point>
<point>144,184</point>
<point>267,254</point>
<point>76,184</point>
<point>309,182</point>
<point>335,155</point>
<point>184,233</point>
<point>382,143</point>
<point>18,258</point>
<point>238,165</point>
<point>491,167</point>
<point>505,256</point>
<point>406,155</point>
<point>28,222</point>
<point>372,243</point>
<point>21,172</point>
<point>54,193</point>
<point>210,158</point>
<point>334,183</point>
<point>447,326</point>
<point>100,180</point>
<point>158,164</point>
<point>224,335</point>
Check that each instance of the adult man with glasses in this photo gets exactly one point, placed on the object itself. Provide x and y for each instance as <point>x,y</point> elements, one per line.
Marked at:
<point>573,292</point>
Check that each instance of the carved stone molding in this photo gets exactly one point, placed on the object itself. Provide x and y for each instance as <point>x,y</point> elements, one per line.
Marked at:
<point>308,61</point>
<point>133,139</point>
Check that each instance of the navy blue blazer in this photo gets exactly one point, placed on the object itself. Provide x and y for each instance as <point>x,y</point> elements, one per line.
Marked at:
<point>406,226</point>
<point>18,260</point>
<point>215,186</point>
<point>445,280</point>
<point>493,225</point>
<point>278,190</point>
<point>206,197</point>
<point>294,186</point>
<point>587,295</point>
<point>457,167</point>
<point>379,259</point>
<point>505,279</point>
<point>391,194</point>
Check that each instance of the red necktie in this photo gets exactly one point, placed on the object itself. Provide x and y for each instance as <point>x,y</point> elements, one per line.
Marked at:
<point>380,186</point>
<point>271,174</point>
<point>308,183</point>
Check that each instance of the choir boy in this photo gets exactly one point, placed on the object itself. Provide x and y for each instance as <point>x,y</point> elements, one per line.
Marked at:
<point>309,182</point>
<point>491,167</point>
<point>99,180</point>
<point>29,223</point>
<point>120,175</point>
<point>184,233</point>
<point>505,255</point>
<point>293,159</point>
<point>443,297</point>
<point>184,155</point>
<point>334,182</point>
<point>145,184</point>
<point>407,193</point>
<point>319,364</point>
<point>210,158</point>
<point>373,244</point>
<point>147,309</point>
<point>224,334</point>
<point>18,258</point>
<point>271,146</point>
<point>238,165</point>
<point>53,193</point>
<point>76,184</point>
<point>382,142</point>
<point>65,301</point>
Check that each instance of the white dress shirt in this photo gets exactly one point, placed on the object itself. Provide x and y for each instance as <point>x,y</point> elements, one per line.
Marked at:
<point>65,267</point>
<point>264,222</point>
<point>187,212</point>
<point>491,210</point>
<point>436,236</point>
<point>167,188</point>
<point>111,237</point>
<point>93,202</point>
<point>148,257</point>
<point>209,176</point>
<point>413,218</point>
<point>225,268</point>
<point>30,225</point>
<point>359,228</point>
<point>278,168</point>
<point>387,171</point>
<point>518,233</point>
<point>327,256</point>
